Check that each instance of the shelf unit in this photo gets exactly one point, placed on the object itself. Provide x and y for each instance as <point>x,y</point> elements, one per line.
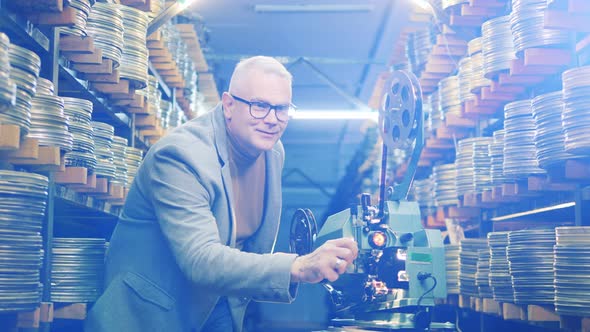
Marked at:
<point>70,212</point>
<point>561,197</point>
<point>531,75</point>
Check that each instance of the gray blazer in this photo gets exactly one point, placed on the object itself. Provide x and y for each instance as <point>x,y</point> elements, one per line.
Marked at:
<point>172,253</point>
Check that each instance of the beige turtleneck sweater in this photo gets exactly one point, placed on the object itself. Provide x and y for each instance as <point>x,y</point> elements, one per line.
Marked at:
<point>248,175</point>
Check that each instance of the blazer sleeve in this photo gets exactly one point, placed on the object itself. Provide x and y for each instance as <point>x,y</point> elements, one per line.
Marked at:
<point>183,208</point>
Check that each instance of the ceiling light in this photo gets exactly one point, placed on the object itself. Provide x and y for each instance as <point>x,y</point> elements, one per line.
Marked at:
<point>334,115</point>
<point>167,14</point>
<point>535,211</point>
<point>313,8</point>
<point>185,3</point>
<point>423,4</point>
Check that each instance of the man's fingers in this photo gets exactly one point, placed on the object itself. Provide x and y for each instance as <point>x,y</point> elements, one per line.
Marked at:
<point>340,265</point>
<point>331,275</point>
<point>327,262</point>
<point>345,254</point>
<point>352,245</point>
<point>345,243</point>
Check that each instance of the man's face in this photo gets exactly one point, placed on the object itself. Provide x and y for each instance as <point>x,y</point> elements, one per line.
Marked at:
<point>256,135</point>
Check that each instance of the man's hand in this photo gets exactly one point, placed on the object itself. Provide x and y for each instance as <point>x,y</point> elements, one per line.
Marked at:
<point>327,262</point>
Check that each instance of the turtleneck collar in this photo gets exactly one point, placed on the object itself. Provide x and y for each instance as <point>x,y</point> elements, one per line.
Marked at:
<point>238,154</point>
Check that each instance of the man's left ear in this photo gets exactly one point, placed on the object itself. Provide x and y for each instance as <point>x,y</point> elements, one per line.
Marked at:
<point>227,101</point>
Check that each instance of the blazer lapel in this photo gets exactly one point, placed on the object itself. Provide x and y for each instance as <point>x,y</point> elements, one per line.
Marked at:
<point>220,136</point>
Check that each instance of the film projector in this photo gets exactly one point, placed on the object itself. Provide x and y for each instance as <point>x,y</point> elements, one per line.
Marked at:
<point>400,268</point>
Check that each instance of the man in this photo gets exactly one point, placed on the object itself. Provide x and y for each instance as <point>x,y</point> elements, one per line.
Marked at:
<point>192,246</point>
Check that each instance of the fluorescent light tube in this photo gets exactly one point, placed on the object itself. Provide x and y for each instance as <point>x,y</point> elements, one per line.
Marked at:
<point>535,211</point>
<point>186,3</point>
<point>313,8</point>
<point>334,115</point>
<point>423,4</point>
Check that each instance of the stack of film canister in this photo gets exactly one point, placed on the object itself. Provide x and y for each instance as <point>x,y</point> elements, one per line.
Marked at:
<point>497,158</point>
<point>49,125</point>
<point>175,43</point>
<point>483,272</point>
<point>530,256</point>
<point>427,110</point>
<point>187,70</point>
<point>499,277</point>
<point>134,62</point>
<point>423,193</point>
<point>520,152</point>
<point>193,100</point>
<point>571,262</point>
<point>153,96</point>
<point>82,10</point>
<point>77,269</point>
<point>528,30</point>
<point>165,109</point>
<point>176,118</point>
<point>473,165</point>
<point>475,46</point>
<point>24,72</point>
<point>103,142</point>
<point>549,135</point>
<point>436,114</point>
<point>133,159</point>
<point>468,265</point>
<point>190,77</point>
<point>186,66</point>
<point>576,111</point>
<point>156,7</point>
<point>119,149</point>
<point>418,49</point>
<point>23,198</point>
<point>180,55</point>
<point>464,167</point>
<point>497,46</point>
<point>423,43</point>
<point>482,163</point>
<point>79,114</point>
<point>44,87</point>
<point>445,186</point>
<point>199,106</point>
<point>478,79</point>
<point>154,93</point>
<point>409,52</point>
<point>165,32</point>
<point>105,25</point>
<point>7,87</point>
<point>452,252</point>
<point>465,75</point>
<point>449,96</point>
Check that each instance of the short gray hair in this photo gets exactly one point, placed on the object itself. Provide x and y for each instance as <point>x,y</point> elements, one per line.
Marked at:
<point>265,64</point>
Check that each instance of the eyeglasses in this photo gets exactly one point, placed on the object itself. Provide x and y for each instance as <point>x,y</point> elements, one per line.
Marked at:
<point>260,109</point>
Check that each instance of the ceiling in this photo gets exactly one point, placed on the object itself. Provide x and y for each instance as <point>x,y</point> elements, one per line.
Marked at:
<point>335,50</point>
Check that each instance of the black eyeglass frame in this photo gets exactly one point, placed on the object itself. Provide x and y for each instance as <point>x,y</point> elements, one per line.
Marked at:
<point>265,105</point>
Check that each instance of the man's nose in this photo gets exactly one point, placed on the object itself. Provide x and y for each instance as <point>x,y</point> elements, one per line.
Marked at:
<point>271,117</point>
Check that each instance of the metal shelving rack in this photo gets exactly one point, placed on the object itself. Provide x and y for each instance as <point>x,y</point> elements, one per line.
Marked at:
<point>68,212</point>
